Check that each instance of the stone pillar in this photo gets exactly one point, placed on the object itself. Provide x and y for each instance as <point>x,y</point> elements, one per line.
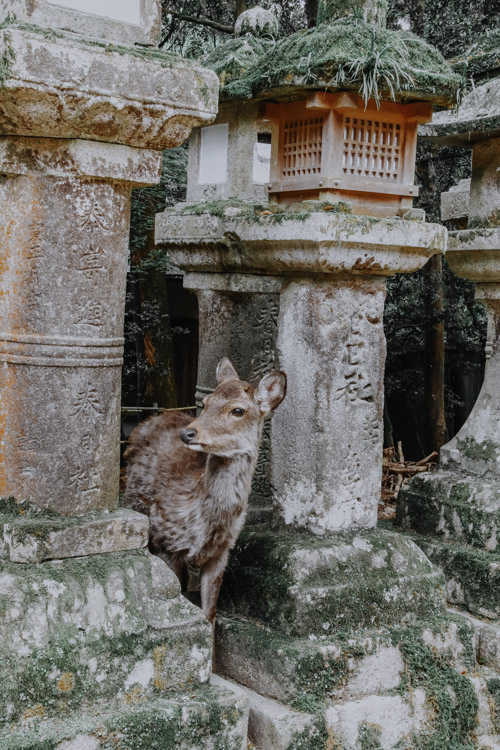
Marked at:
<point>65,214</point>
<point>326,465</point>
<point>238,319</point>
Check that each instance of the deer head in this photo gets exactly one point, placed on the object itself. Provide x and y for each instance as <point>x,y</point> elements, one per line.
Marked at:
<point>231,421</point>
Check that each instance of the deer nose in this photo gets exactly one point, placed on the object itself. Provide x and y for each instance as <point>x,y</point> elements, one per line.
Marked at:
<point>187,436</point>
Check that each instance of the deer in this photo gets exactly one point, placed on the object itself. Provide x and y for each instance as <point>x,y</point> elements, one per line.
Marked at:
<point>193,478</point>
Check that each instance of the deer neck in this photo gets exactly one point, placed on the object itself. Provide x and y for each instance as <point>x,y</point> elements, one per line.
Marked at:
<point>228,482</point>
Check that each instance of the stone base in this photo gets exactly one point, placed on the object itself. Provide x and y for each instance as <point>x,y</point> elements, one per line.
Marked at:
<point>452,506</point>
<point>212,718</point>
<point>29,534</point>
<point>472,575</point>
<point>90,629</point>
<point>409,687</point>
<point>306,585</point>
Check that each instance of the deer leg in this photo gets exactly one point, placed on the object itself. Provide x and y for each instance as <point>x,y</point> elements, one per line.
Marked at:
<point>211,579</point>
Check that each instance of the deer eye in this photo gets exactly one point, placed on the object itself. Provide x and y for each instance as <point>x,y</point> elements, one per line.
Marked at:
<point>237,412</point>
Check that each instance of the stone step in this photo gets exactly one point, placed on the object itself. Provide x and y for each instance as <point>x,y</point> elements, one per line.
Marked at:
<point>452,507</point>
<point>211,719</point>
<point>472,575</point>
<point>350,664</point>
<point>303,585</point>
<point>487,640</point>
<point>274,726</point>
<point>85,629</point>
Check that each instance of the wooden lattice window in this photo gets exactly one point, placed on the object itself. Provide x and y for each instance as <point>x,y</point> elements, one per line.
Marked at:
<point>372,148</point>
<point>302,145</point>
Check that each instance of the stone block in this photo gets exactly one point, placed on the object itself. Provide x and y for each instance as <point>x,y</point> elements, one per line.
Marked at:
<point>273,726</point>
<point>472,575</point>
<point>382,722</point>
<point>343,666</point>
<point>211,719</point>
<point>93,628</point>
<point>30,535</point>
<point>58,85</point>
<point>130,22</point>
<point>455,201</point>
<point>453,507</point>
<point>487,642</point>
<point>306,585</point>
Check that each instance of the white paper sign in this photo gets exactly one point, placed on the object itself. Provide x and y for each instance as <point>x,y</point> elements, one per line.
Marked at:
<point>119,10</point>
<point>213,154</point>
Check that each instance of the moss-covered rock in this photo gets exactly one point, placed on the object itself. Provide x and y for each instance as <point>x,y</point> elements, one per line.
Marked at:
<point>307,585</point>
<point>209,718</point>
<point>90,628</point>
<point>482,59</point>
<point>449,506</point>
<point>472,575</point>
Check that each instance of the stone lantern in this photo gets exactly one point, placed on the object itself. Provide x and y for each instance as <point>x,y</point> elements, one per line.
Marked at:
<point>97,643</point>
<point>457,508</point>
<point>322,604</point>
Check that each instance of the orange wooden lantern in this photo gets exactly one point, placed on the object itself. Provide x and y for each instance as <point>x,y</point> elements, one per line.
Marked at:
<point>333,147</point>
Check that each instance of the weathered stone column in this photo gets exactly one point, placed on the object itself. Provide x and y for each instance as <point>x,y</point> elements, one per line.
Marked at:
<point>326,464</point>
<point>65,213</point>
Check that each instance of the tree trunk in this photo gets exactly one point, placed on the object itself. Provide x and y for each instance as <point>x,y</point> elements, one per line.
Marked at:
<point>311,11</point>
<point>436,430</point>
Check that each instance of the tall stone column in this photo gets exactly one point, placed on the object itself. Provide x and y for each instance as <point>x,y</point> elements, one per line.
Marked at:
<point>326,465</point>
<point>65,215</point>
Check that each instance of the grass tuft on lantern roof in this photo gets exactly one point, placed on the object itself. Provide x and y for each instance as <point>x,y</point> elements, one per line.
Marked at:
<point>347,54</point>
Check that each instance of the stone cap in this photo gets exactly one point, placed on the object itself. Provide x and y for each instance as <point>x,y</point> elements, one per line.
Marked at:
<point>477,118</point>
<point>318,243</point>
<point>475,254</point>
<point>482,60</point>
<point>257,21</point>
<point>335,56</point>
<point>128,21</point>
<point>58,85</point>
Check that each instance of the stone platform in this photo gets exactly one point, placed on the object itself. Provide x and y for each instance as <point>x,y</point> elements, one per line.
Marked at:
<point>347,637</point>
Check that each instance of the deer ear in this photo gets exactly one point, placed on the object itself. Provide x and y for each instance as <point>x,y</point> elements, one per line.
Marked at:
<point>271,391</point>
<point>225,371</point>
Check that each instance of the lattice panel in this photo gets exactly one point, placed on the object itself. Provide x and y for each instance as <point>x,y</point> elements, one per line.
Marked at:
<point>302,144</point>
<point>372,148</point>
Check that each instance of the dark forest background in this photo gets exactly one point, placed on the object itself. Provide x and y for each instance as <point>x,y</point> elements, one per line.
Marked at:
<point>435,330</point>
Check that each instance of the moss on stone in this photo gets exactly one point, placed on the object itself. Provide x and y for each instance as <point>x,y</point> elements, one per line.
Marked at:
<point>233,58</point>
<point>326,56</point>
<point>482,59</point>
<point>485,451</point>
<point>258,212</point>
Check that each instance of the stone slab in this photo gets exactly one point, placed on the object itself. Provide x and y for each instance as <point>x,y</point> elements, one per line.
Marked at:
<point>472,575</point>
<point>306,585</point>
<point>455,201</point>
<point>271,725</point>
<point>212,718</point>
<point>130,22</point>
<point>487,641</point>
<point>95,628</point>
<point>452,507</point>
<point>31,537</point>
<point>345,665</point>
<point>477,117</point>
<point>62,86</point>
<point>316,242</point>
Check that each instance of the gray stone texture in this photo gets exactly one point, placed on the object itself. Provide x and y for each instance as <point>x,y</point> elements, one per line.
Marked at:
<point>30,535</point>
<point>140,22</point>
<point>244,124</point>
<point>62,86</point>
<point>455,202</point>
<point>325,466</point>
<point>65,207</point>
<point>484,209</point>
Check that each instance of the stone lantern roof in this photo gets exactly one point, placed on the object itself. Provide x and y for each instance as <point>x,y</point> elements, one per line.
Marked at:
<point>481,61</point>
<point>346,54</point>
